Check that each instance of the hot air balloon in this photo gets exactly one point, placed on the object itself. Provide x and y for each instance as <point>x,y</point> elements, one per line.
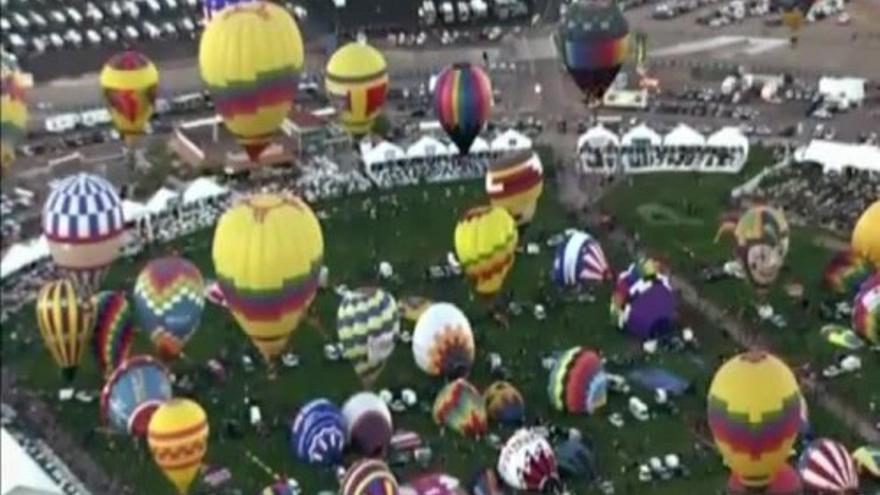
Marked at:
<point>827,467</point>
<point>178,439</point>
<point>786,481</point>
<point>434,484</point>
<point>593,41</point>
<point>762,239</point>
<point>368,323</point>
<point>255,94</point>
<point>13,110</point>
<point>846,273</point>
<point>867,460</point>
<point>754,413</point>
<point>169,296</point>
<point>130,81</point>
<point>866,310</point>
<point>268,252</point>
<point>443,342</point>
<point>65,322</point>
<point>488,482</point>
<point>527,462</point>
<point>866,234</point>
<point>793,13</point>
<point>368,424</point>
<point>515,183</point>
<point>210,8</point>
<point>369,477</point>
<point>579,260</point>
<point>460,406</point>
<point>114,330</point>
<point>485,243</point>
<point>577,382</point>
<point>133,393</point>
<point>463,102</point>
<point>504,403</point>
<point>356,80</point>
<point>643,302</point>
<point>317,435</point>
<point>83,222</point>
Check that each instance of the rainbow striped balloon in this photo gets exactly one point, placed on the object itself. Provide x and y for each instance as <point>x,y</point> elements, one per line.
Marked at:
<point>577,382</point>
<point>846,273</point>
<point>866,310</point>
<point>460,406</point>
<point>463,102</point>
<point>114,330</point>
<point>369,477</point>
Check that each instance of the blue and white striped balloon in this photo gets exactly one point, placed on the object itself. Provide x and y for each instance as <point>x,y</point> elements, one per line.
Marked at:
<point>211,7</point>
<point>318,433</point>
<point>579,259</point>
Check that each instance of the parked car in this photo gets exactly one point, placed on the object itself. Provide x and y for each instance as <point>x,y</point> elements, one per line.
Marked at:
<point>151,30</point>
<point>113,10</point>
<point>38,43</point>
<point>74,15</point>
<point>94,13</point>
<point>109,34</point>
<point>57,17</point>
<point>131,33</point>
<point>73,37</point>
<point>93,37</point>
<point>38,20</point>
<point>20,21</point>
<point>56,40</point>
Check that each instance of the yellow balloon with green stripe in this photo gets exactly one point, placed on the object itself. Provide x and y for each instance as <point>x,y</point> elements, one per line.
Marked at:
<point>65,321</point>
<point>357,82</point>
<point>130,81</point>
<point>13,112</point>
<point>178,439</point>
<point>485,243</point>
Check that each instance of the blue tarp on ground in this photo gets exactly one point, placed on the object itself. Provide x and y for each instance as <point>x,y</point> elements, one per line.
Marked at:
<point>653,378</point>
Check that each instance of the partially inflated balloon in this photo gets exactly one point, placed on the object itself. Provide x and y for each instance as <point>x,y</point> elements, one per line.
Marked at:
<point>114,330</point>
<point>460,406</point>
<point>515,183</point>
<point>443,342</point>
<point>169,296</point>
<point>794,12</point>
<point>83,222</point>
<point>643,302</point>
<point>578,383</point>
<point>527,462</point>
<point>368,323</point>
<point>593,42</point>
<point>755,415</point>
<point>463,102</point>
<point>65,321</point>
<point>318,433</point>
<point>485,243</point>
<point>357,82</point>
<point>867,459</point>
<point>762,239</point>
<point>368,424</point>
<point>13,111</point>
<point>268,252</point>
<point>133,393</point>
<point>178,439</point>
<point>434,484</point>
<point>846,273</point>
<point>579,260</point>
<point>130,81</point>
<point>866,234</point>
<point>826,466</point>
<point>505,404</point>
<point>369,477</point>
<point>866,310</point>
<point>249,57</point>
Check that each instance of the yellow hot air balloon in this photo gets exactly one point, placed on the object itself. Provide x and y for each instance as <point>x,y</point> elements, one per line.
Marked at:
<point>249,58</point>
<point>357,83</point>
<point>515,183</point>
<point>13,111</point>
<point>65,321</point>
<point>485,243</point>
<point>178,439</point>
<point>866,234</point>
<point>268,252</point>
<point>130,81</point>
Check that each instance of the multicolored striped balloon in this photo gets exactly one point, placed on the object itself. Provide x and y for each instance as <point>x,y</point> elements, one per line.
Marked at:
<point>577,382</point>
<point>368,323</point>
<point>460,406</point>
<point>178,439</point>
<point>826,466</point>
<point>515,183</point>
<point>755,414</point>
<point>130,82</point>
<point>866,310</point>
<point>643,302</point>
<point>317,435</point>
<point>66,321</point>
<point>169,296</point>
<point>463,102</point>
<point>114,330</point>
<point>369,477</point>
<point>504,403</point>
<point>846,273</point>
<point>485,243</point>
<point>13,111</point>
<point>580,259</point>
<point>83,222</point>
<point>132,394</point>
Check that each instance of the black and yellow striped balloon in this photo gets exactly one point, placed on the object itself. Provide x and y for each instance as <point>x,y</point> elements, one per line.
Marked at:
<point>65,321</point>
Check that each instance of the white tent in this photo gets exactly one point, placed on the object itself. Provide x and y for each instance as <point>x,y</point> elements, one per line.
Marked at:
<point>597,137</point>
<point>201,189</point>
<point>511,140</point>
<point>19,472</point>
<point>684,135</point>
<point>384,152</point>
<point>159,202</point>
<point>641,135</point>
<point>843,89</point>
<point>834,156</point>
<point>729,137</point>
<point>22,254</point>
<point>480,146</point>
<point>427,146</point>
<point>132,211</point>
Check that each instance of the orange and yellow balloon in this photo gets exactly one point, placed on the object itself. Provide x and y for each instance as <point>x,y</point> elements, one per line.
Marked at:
<point>178,439</point>
<point>485,243</point>
<point>268,252</point>
<point>65,321</point>
<point>866,234</point>
<point>130,81</point>
<point>356,81</point>
<point>515,183</point>
<point>249,58</point>
<point>13,110</point>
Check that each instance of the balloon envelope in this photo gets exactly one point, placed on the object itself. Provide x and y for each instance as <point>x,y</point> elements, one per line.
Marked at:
<point>356,79</point>
<point>762,239</point>
<point>114,330</point>
<point>368,323</point>
<point>579,260</point>
<point>527,462</point>
<point>318,433</point>
<point>463,102</point>
<point>643,302</point>
<point>577,382</point>
<point>866,310</point>
<point>130,82</point>
<point>178,439</point>
<point>485,243</point>
<point>443,342</point>
<point>13,111</point>
<point>460,406</point>
<point>368,423</point>
<point>866,234</point>
<point>827,466</point>
<point>515,183</point>
<point>846,272</point>
<point>133,393</point>
<point>504,403</point>
<point>488,482</point>
<point>65,321</point>
<point>369,477</point>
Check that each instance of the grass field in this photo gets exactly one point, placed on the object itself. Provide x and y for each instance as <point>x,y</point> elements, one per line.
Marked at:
<point>412,239</point>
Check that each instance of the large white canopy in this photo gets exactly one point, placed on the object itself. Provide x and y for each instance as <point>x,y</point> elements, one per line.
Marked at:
<point>132,211</point>
<point>728,137</point>
<point>684,135</point>
<point>510,140</point>
<point>427,146</point>
<point>201,189</point>
<point>160,199</point>
<point>835,156</point>
<point>384,152</point>
<point>851,89</point>
<point>598,137</point>
<point>22,254</point>
<point>19,472</point>
<point>641,134</point>
<point>480,146</point>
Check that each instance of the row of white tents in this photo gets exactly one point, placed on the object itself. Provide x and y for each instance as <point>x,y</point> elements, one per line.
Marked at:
<point>429,146</point>
<point>681,135</point>
<point>202,189</point>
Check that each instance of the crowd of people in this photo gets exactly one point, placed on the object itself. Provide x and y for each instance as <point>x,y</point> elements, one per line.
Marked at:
<point>658,158</point>
<point>428,170</point>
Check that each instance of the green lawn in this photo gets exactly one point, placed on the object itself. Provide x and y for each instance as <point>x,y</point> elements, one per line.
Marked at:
<point>420,235</point>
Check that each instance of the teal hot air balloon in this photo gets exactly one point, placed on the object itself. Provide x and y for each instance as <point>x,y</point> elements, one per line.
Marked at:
<point>368,322</point>
<point>114,330</point>
<point>169,296</point>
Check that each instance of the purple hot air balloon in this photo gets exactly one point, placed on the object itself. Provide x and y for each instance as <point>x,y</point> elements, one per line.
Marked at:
<point>643,302</point>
